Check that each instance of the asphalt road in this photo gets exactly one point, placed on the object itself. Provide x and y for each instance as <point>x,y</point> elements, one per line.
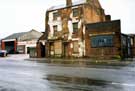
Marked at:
<point>17,74</point>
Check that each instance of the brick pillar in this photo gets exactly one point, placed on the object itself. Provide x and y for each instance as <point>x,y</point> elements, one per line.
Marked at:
<point>15,46</point>
<point>2,45</point>
<point>38,50</point>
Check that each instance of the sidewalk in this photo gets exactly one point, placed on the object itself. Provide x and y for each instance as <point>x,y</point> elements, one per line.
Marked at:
<point>16,57</point>
<point>82,61</point>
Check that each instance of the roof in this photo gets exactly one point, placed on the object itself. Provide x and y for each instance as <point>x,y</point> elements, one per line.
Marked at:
<point>15,35</point>
<point>24,36</point>
<point>64,5</point>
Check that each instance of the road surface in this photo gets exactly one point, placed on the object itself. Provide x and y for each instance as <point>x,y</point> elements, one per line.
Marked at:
<point>17,74</point>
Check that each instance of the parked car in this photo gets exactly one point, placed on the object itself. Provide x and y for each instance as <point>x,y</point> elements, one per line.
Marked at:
<point>3,53</point>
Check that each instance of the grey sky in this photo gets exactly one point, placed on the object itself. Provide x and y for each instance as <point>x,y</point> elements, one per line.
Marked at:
<point>24,15</point>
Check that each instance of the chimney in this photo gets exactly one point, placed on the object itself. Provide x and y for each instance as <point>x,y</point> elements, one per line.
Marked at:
<point>108,17</point>
<point>69,2</point>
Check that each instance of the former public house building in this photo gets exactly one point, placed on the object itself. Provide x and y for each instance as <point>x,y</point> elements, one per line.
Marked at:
<point>82,29</point>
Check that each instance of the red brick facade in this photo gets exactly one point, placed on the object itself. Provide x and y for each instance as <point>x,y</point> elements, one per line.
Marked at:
<point>104,28</point>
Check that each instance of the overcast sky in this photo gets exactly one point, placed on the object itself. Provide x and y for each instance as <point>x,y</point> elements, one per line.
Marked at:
<point>24,15</point>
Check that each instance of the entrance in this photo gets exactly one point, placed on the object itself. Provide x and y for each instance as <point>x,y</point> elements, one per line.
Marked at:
<point>65,49</point>
<point>10,47</point>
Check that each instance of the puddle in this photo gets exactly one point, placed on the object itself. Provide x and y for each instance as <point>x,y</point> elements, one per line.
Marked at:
<point>82,84</point>
<point>7,89</point>
<point>77,80</point>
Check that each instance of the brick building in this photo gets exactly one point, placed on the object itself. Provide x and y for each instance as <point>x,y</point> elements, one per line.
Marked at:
<point>103,40</point>
<point>81,29</point>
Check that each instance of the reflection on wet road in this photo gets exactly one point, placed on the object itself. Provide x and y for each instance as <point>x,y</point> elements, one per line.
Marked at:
<point>19,75</point>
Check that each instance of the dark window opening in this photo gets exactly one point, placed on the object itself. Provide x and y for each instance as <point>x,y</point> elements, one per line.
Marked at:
<point>75,12</point>
<point>55,28</point>
<point>55,15</point>
<point>75,27</point>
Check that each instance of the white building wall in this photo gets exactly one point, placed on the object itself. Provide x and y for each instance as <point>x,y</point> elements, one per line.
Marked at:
<point>27,44</point>
<point>70,27</point>
<point>52,23</point>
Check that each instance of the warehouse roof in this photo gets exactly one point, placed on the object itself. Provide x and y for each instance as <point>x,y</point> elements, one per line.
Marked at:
<point>15,35</point>
<point>24,36</point>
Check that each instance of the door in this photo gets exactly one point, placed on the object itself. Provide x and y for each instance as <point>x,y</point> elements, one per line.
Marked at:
<point>65,49</point>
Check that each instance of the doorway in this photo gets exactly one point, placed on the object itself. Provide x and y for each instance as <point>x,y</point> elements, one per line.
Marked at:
<point>65,49</point>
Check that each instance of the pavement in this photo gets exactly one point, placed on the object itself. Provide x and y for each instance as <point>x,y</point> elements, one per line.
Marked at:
<point>84,61</point>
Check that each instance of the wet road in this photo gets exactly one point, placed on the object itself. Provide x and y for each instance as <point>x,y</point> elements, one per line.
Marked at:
<point>19,75</point>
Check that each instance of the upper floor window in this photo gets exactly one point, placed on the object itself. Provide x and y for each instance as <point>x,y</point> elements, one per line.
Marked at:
<point>102,41</point>
<point>55,28</point>
<point>75,27</point>
<point>55,15</point>
<point>75,12</point>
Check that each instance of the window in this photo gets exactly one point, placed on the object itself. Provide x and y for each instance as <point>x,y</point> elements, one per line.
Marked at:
<point>132,41</point>
<point>102,41</point>
<point>55,15</point>
<point>75,47</point>
<point>75,12</point>
<point>124,40</point>
<point>55,29</point>
<point>75,27</point>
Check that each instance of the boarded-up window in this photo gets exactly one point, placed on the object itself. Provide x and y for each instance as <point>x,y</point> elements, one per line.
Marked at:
<point>75,12</point>
<point>75,27</point>
<point>58,48</point>
<point>52,49</point>
<point>75,47</point>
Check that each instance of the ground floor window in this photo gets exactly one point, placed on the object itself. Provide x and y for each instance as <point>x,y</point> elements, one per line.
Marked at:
<point>21,48</point>
<point>58,47</point>
<point>102,41</point>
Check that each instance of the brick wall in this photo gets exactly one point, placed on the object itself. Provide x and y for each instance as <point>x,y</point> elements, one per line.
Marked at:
<point>104,28</point>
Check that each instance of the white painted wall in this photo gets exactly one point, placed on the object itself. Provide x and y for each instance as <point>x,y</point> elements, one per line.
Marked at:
<point>52,23</point>
<point>70,27</point>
